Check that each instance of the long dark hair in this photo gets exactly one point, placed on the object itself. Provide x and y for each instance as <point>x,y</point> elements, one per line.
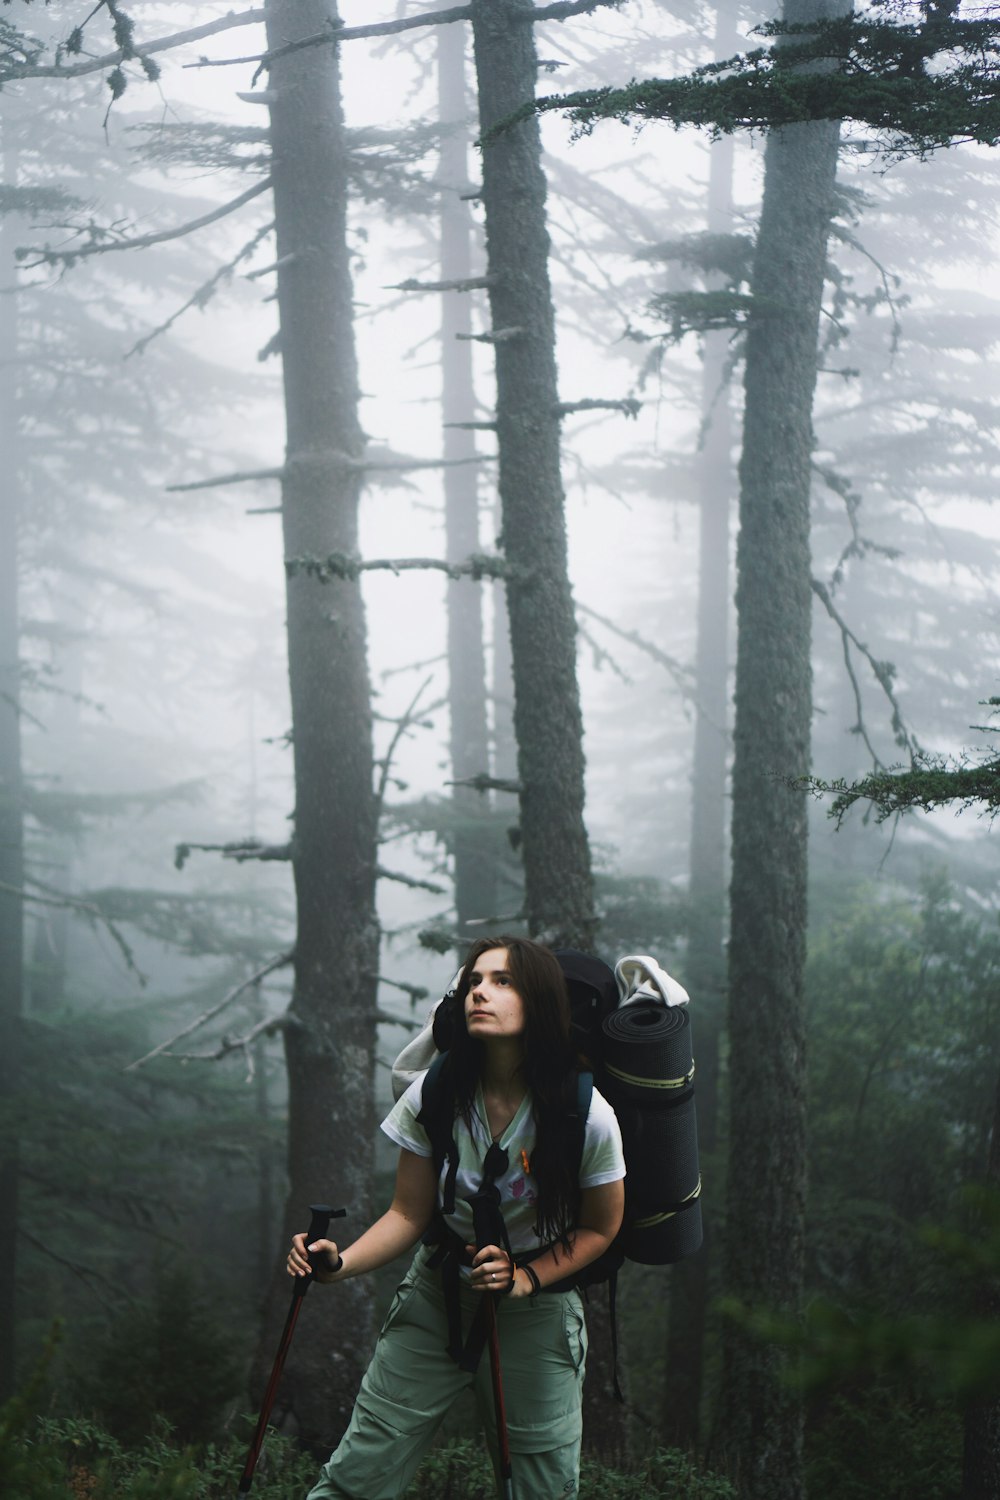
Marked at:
<point>549,1070</point>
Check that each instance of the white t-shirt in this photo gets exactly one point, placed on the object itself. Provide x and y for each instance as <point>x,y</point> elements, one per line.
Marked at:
<point>602,1159</point>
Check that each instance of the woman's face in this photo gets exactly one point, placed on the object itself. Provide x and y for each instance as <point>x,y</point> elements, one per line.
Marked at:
<point>493,1007</point>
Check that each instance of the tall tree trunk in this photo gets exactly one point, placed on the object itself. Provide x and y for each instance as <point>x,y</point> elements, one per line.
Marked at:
<point>981,1459</point>
<point>706,966</point>
<point>547,721</point>
<point>475,888</point>
<point>11,809</point>
<point>761,1416</point>
<point>330,1043</point>
<point>559,897</point>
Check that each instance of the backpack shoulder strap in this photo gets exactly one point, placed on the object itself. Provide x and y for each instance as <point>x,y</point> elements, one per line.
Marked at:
<point>437,1116</point>
<point>579,1112</point>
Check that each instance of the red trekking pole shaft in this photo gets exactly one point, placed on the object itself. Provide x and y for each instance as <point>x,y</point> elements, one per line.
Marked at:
<point>318,1225</point>
<point>487,1228</point>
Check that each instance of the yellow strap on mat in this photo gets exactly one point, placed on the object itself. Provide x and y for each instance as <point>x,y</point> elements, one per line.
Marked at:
<point>650,1083</point>
<point>655,1219</point>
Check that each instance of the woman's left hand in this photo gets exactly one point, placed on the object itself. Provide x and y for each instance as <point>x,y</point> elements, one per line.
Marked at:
<point>491,1269</point>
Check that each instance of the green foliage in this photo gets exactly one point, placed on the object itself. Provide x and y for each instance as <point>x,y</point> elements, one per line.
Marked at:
<point>170,1356</point>
<point>860,68</point>
<point>887,1444</point>
<point>462,1471</point>
<point>75,1459</point>
<point>931,782</point>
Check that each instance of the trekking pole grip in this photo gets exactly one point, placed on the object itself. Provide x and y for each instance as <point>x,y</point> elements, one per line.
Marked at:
<point>319,1223</point>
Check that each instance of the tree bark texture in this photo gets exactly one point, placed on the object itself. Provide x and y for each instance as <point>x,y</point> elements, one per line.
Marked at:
<point>330,1044</point>
<point>547,720</point>
<point>761,1425</point>
<point>11,810</point>
<point>981,1457</point>
<point>705,973</point>
<point>475,887</point>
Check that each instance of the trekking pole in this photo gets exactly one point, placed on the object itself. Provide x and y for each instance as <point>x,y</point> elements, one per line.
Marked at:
<point>318,1225</point>
<point>485,1217</point>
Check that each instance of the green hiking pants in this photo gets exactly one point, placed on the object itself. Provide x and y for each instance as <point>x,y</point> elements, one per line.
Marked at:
<point>412,1381</point>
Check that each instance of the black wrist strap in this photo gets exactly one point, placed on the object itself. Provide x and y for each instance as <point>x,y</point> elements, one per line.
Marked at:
<point>536,1285</point>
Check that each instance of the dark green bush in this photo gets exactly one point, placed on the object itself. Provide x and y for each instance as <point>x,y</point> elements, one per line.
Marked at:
<point>462,1471</point>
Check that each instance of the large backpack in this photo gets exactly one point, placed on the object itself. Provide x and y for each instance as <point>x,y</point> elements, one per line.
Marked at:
<point>632,1027</point>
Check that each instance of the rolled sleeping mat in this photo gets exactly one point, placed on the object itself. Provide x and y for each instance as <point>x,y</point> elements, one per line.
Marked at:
<point>646,1054</point>
<point>648,1077</point>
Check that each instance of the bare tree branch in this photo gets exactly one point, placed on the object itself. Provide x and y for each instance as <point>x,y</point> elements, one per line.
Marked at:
<point>416,992</point>
<point>409,880</point>
<point>142,241</point>
<point>482,782</point>
<point>564,9</point>
<point>628,405</point>
<point>240,851</point>
<point>141,50</point>
<point>680,673</point>
<point>206,291</point>
<point>406,719</point>
<point>275,963</point>
<point>242,476</point>
<point>883,671</point>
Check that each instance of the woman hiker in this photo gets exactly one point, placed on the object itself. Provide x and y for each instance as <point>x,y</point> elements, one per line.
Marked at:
<point>509,1081</point>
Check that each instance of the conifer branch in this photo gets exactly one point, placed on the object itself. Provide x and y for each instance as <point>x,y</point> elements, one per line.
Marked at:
<point>240,851</point>
<point>341,565</point>
<point>464,284</point>
<point>140,242</point>
<point>473,426</point>
<point>603,657</point>
<point>497,336</point>
<point>272,964</point>
<point>269,1026</point>
<point>94,915</point>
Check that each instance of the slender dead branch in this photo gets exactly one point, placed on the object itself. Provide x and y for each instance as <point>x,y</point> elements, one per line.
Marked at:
<point>334,35</point>
<point>883,672</point>
<point>483,782</point>
<point>242,476</point>
<point>109,1292</point>
<point>272,964</point>
<point>269,1026</point>
<point>628,405</point>
<point>680,673</point>
<point>473,426</point>
<point>205,292</point>
<point>388,1019</point>
<point>409,880</point>
<point>143,241</point>
<point>139,51</point>
<point>416,992</point>
<point>406,719</point>
<point>603,657</point>
<point>94,915</point>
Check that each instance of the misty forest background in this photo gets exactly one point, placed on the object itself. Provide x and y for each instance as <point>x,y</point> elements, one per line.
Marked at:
<point>358,476</point>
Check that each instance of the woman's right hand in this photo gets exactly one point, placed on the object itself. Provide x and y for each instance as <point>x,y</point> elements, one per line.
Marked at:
<point>297,1263</point>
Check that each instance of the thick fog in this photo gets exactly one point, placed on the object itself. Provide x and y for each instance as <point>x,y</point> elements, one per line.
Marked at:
<point>145,432</point>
